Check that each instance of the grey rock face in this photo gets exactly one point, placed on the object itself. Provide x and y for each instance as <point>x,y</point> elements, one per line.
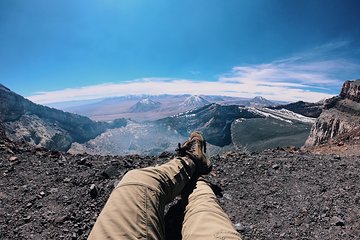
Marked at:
<point>341,115</point>
<point>351,90</point>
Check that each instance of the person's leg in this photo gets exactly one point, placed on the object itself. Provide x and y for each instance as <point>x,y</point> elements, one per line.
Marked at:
<point>204,218</point>
<point>135,209</point>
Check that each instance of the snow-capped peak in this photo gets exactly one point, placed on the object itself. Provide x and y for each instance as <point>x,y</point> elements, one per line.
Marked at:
<point>146,101</point>
<point>260,98</point>
<point>195,101</point>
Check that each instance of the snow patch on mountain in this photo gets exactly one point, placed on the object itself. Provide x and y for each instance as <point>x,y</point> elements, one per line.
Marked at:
<point>282,114</point>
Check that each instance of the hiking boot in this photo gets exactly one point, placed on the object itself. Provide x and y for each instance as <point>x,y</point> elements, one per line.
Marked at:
<point>195,149</point>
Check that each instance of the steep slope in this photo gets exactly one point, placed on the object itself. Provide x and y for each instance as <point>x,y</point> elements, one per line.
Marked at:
<point>26,121</point>
<point>277,128</point>
<point>136,138</point>
<point>304,108</point>
<point>341,115</point>
<point>230,124</point>
<point>213,120</point>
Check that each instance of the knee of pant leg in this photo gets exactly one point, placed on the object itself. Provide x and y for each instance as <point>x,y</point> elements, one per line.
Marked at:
<point>149,177</point>
<point>131,176</point>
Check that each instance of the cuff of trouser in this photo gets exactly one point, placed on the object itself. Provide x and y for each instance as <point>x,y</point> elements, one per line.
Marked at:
<point>189,165</point>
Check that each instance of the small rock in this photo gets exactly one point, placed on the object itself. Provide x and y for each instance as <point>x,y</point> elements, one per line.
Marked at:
<point>275,166</point>
<point>74,236</point>
<point>82,161</point>
<point>337,157</point>
<point>27,219</point>
<point>227,196</point>
<point>13,158</point>
<point>42,193</point>
<point>38,205</point>
<point>297,222</point>
<point>116,182</point>
<point>53,190</point>
<point>164,154</point>
<point>28,205</point>
<point>55,154</point>
<point>110,172</point>
<point>337,221</point>
<point>93,191</point>
<point>80,231</point>
<point>60,220</point>
<point>66,180</point>
<point>9,151</point>
<point>239,227</point>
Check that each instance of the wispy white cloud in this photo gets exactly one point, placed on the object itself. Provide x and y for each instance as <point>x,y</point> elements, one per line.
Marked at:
<point>306,76</point>
<point>275,91</point>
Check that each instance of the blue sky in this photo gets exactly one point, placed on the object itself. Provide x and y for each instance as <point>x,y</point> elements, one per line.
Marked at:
<point>52,51</point>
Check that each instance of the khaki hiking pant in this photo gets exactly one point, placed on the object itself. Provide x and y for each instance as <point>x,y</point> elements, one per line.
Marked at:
<point>135,209</point>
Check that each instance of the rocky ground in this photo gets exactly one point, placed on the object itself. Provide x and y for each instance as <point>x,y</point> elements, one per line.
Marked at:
<point>347,144</point>
<point>281,194</point>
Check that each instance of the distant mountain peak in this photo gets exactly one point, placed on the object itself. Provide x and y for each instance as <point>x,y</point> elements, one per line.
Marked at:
<point>260,101</point>
<point>145,105</point>
<point>194,101</point>
<point>260,98</point>
<point>147,101</point>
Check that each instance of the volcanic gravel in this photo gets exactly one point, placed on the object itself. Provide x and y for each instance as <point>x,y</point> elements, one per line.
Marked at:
<point>275,194</point>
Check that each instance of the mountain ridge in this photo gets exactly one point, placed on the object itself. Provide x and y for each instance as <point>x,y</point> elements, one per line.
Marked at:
<point>304,108</point>
<point>23,119</point>
<point>122,107</point>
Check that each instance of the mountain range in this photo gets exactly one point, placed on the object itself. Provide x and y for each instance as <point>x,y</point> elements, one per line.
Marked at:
<point>226,127</point>
<point>149,107</point>
<point>155,124</point>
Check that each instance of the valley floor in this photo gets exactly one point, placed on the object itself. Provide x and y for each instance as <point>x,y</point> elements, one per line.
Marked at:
<point>275,194</point>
